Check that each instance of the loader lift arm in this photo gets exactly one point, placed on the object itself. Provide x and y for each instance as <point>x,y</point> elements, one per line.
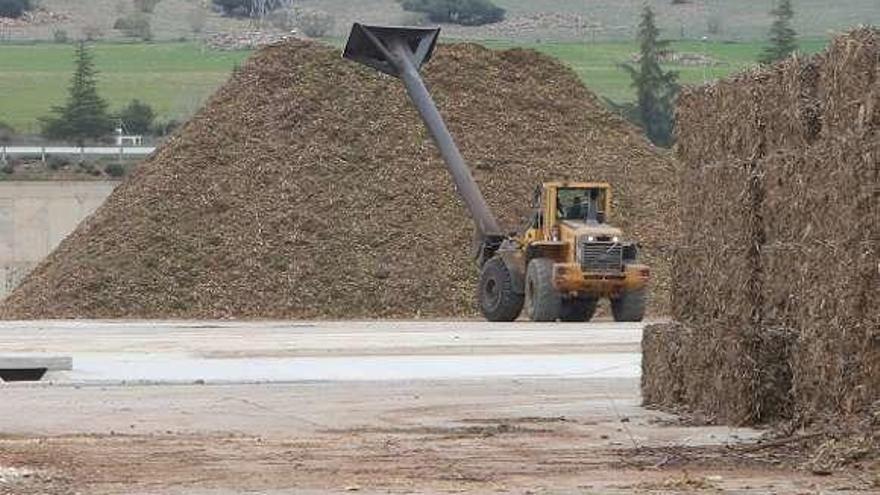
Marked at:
<point>401,52</point>
<point>565,261</point>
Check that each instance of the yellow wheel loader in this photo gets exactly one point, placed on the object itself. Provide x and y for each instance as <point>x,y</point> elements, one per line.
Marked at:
<point>568,258</point>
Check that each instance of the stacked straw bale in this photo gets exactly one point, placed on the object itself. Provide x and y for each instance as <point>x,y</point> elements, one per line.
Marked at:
<point>775,284</point>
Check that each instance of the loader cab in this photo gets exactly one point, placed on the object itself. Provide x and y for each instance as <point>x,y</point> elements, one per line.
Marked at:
<point>582,204</point>
<point>572,203</point>
<point>575,202</point>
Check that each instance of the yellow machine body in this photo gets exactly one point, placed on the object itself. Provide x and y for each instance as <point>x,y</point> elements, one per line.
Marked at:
<point>554,235</point>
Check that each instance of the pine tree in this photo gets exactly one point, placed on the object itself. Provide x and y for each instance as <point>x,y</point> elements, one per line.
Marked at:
<point>137,117</point>
<point>85,115</point>
<point>656,88</point>
<point>783,38</point>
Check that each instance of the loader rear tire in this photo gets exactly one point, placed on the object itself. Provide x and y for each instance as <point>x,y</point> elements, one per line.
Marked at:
<point>543,301</point>
<point>498,300</point>
<point>578,308</point>
<point>629,306</point>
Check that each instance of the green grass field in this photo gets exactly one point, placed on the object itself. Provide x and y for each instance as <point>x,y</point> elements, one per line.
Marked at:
<point>172,77</point>
<point>598,64</point>
<point>175,78</point>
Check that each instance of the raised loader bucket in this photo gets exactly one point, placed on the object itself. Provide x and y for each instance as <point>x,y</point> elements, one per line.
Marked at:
<point>373,45</point>
<point>401,52</point>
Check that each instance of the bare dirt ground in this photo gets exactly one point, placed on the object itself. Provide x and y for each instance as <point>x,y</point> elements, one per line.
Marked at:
<point>463,427</point>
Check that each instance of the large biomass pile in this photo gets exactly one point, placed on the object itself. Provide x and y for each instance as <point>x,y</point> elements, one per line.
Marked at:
<point>776,289</point>
<point>307,187</point>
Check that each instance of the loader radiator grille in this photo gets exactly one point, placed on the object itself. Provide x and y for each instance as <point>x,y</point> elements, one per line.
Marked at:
<point>601,257</point>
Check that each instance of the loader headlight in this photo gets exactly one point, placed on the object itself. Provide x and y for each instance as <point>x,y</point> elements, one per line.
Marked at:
<point>590,238</point>
<point>615,239</point>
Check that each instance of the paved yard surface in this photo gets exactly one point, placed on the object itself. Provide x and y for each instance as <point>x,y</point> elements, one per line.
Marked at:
<point>370,407</point>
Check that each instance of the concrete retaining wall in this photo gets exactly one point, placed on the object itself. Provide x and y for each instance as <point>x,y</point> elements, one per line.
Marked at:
<point>36,216</point>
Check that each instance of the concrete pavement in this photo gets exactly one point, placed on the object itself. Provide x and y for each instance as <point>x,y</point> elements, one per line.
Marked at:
<point>381,406</point>
<point>247,352</point>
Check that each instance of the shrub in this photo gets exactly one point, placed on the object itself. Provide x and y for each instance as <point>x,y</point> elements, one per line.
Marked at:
<point>89,168</point>
<point>283,19</point>
<point>7,132</point>
<point>314,23</point>
<point>247,8</point>
<point>92,32</point>
<point>137,117</point>
<point>713,24</point>
<point>8,168</point>
<point>14,8</point>
<point>146,6</point>
<point>236,8</point>
<point>197,19</point>
<point>55,162</point>
<point>464,12</point>
<point>60,36</point>
<point>115,169</point>
<point>162,129</point>
<point>135,26</point>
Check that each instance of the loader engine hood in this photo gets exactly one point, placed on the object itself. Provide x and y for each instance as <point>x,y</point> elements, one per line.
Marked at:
<point>592,229</point>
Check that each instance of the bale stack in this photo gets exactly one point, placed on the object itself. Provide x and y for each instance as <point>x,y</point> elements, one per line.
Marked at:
<point>308,187</point>
<point>775,285</point>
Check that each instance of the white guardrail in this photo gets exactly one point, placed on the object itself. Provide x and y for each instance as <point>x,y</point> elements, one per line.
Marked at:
<point>42,151</point>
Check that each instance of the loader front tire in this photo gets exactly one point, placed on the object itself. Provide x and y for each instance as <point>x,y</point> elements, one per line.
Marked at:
<point>543,301</point>
<point>629,306</point>
<point>498,300</point>
<point>578,308</point>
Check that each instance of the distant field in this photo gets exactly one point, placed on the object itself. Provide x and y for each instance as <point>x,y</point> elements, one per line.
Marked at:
<point>528,20</point>
<point>175,78</point>
<point>593,36</point>
<point>598,63</point>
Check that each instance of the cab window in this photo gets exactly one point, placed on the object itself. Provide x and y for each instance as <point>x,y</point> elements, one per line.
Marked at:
<point>580,204</point>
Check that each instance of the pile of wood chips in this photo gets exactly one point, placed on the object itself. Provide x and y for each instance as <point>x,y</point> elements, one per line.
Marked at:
<point>308,187</point>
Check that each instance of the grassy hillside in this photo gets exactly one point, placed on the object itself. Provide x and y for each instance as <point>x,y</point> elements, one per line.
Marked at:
<point>615,20</point>
<point>528,20</point>
<point>171,20</point>
<point>176,77</point>
<point>736,19</point>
